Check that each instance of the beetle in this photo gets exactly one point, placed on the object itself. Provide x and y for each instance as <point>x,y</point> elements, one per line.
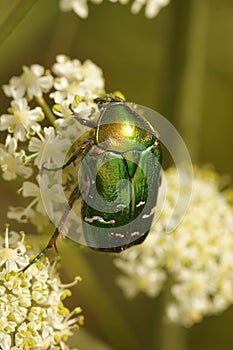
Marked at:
<point>119,176</point>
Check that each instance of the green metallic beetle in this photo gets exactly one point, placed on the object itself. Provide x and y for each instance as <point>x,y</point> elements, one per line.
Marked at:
<point>119,175</point>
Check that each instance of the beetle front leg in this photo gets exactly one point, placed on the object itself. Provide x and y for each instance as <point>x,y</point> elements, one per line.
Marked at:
<point>52,242</point>
<point>85,121</point>
<point>73,158</point>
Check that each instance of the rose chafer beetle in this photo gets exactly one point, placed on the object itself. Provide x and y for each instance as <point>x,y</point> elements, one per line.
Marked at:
<point>119,175</point>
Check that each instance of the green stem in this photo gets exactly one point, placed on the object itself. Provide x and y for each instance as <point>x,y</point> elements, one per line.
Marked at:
<point>190,102</point>
<point>14,18</point>
<point>184,70</point>
<point>107,314</point>
<point>49,115</point>
<point>173,337</point>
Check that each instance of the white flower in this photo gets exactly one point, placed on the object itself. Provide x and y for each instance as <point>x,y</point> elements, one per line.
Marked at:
<point>73,78</point>
<point>197,257</point>
<point>80,7</point>
<point>68,126</point>
<point>21,121</point>
<point>65,67</point>
<point>32,312</point>
<point>143,272</point>
<point>25,215</point>
<point>5,341</point>
<point>51,194</point>
<point>19,214</point>
<point>13,163</point>
<point>50,147</point>
<point>33,82</point>
<point>63,110</point>
<point>13,259</point>
<point>152,6</point>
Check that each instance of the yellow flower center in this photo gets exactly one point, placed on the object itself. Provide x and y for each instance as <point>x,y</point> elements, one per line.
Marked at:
<point>20,117</point>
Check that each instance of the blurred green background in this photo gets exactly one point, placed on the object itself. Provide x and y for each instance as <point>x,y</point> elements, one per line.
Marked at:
<point>180,64</point>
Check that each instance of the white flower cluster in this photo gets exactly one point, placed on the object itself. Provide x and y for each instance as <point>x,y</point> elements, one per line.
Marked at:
<point>30,129</point>
<point>32,313</point>
<point>194,262</point>
<point>80,7</point>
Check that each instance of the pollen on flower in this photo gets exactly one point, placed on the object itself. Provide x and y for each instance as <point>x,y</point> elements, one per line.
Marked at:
<point>32,311</point>
<point>67,293</point>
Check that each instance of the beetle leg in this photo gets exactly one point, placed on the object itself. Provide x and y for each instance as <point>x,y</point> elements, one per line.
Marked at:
<point>84,121</point>
<point>73,158</point>
<point>52,242</point>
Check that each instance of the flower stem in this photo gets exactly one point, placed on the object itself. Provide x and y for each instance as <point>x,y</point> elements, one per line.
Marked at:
<point>190,95</point>
<point>107,314</point>
<point>42,103</point>
<point>14,18</point>
<point>172,335</point>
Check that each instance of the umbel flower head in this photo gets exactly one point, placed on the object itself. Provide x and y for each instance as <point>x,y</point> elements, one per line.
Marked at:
<point>32,312</point>
<point>194,263</point>
<point>40,124</point>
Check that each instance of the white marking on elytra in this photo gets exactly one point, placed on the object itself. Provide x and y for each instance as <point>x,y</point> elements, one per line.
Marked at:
<point>120,235</point>
<point>117,234</point>
<point>136,233</point>
<point>121,205</point>
<point>152,212</point>
<point>98,218</point>
<point>140,204</point>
